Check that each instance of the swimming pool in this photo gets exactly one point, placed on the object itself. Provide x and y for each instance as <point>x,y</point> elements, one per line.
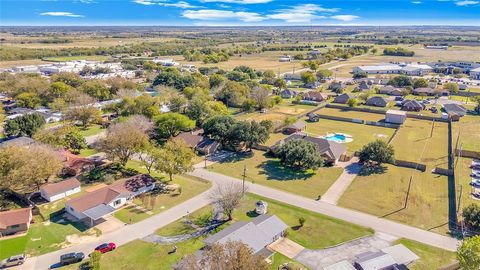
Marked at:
<point>339,137</point>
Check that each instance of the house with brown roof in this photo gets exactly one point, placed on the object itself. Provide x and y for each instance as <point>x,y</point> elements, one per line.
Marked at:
<point>95,205</point>
<point>412,105</point>
<point>59,190</point>
<point>74,164</point>
<point>343,98</point>
<point>15,221</point>
<point>315,96</point>
<point>331,151</point>
<point>390,90</point>
<point>198,142</point>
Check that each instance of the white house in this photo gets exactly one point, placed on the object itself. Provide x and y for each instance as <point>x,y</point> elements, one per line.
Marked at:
<point>395,117</point>
<point>95,205</point>
<point>56,191</point>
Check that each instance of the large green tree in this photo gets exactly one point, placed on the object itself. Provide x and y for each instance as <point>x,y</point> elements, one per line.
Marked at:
<point>66,136</point>
<point>25,125</point>
<point>471,217</point>
<point>168,125</point>
<point>420,82</point>
<point>300,154</point>
<point>219,128</point>
<point>468,253</point>
<point>176,158</point>
<point>308,77</point>
<point>377,152</point>
<point>250,132</point>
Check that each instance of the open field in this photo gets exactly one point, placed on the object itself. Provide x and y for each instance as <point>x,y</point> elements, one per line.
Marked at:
<point>467,130</point>
<point>362,134</point>
<point>431,258</point>
<point>413,143</point>
<point>352,114</point>
<point>269,172</point>
<point>383,194</point>
<point>278,113</point>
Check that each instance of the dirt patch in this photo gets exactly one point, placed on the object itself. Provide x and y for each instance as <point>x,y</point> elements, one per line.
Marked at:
<point>291,111</point>
<point>77,239</point>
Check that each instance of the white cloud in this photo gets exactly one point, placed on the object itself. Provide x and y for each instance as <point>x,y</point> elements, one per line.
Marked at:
<point>61,14</point>
<point>216,15</point>
<point>345,18</point>
<point>164,3</point>
<point>466,3</point>
<point>245,2</point>
<point>417,2</point>
<point>301,13</point>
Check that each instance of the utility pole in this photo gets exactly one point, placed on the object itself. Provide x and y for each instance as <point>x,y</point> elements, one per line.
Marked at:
<point>244,175</point>
<point>408,192</point>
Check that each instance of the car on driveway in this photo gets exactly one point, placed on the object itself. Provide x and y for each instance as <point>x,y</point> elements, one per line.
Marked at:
<point>73,257</point>
<point>13,261</point>
<point>106,247</point>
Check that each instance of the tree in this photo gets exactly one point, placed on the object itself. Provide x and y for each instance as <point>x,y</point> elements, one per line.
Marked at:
<point>301,221</point>
<point>261,97</point>
<point>173,78</point>
<point>323,74</point>
<point>477,100</point>
<point>57,90</point>
<point>26,169</point>
<point>232,93</point>
<point>228,256</point>
<point>219,128</point>
<point>451,87</point>
<point>308,77</point>
<point>2,113</point>
<point>28,100</point>
<point>69,78</point>
<point>250,133</point>
<point>227,196</point>
<point>168,125</point>
<point>149,156</point>
<point>401,81</point>
<point>122,141</point>
<point>352,102</point>
<point>360,75</point>
<point>471,217</point>
<point>176,158</point>
<point>83,111</point>
<point>94,263</point>
<point>377,152</point>
<point>66,136</point>
<point>468,253</point>
<point>280,83</point>
<point>97,89</point>
<point>300,154</point>
<point>25,125</point>
<point>374,50</point>
<point>419,83</point>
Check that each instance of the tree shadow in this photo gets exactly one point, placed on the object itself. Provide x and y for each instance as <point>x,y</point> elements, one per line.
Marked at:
<point>369,170</point>
<point>237,157</point>
<point>252,214</point>
<point>59,217</point>
<point>274,170</point>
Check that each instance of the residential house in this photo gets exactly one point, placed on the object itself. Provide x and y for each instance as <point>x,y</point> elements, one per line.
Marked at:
<point>377,101</point>
<point>74,165</point>
<point>15,221</point>
<point>94,206</point>
<point>390,90</point>
<point>331,151</point>
<point>412,105</point>
<point>363,86</point>
<point>425,91</point>
<point>292,76</point>
<point>295,127</point>
<point>454,110</point>
<point>19,141</point>
<point>336,86</point>
<point>343,98</point>
<point>59,190</point>
<point>395,116</point>
<point>198,142</point>
<point>257,234</point>
<point>288,93</point>
<point>375,261</point>
<point>312,85</point>
<point>315,96</point>
<point>313,117</point>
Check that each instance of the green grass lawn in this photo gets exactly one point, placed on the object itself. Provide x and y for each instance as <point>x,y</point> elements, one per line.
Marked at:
<point>278,259</point>
<point>352,114</point>
<point>274,138</point>
<point>269,172</point>
<point>414,136</point>
<point>92,130</point>
<point>431,258</point>
<point>319,231</point>
<point>190,187</point>
<point>469,129</point>
<point>361,134</point>
<point>384,194</point>
<point>88,152</point>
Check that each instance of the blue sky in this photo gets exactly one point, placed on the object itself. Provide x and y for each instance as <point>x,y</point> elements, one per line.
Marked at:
<point>239,12</point>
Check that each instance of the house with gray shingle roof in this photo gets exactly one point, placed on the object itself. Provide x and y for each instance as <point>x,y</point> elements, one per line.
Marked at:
<point>343,98</point>
<point>295,127</point>
<point>257,234</point>
<point>288,93</point>
<point>377,101</point>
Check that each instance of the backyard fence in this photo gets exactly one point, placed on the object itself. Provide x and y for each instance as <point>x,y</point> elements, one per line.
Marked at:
<point>338,118</point>
<point>394,134</point>
<point>442,171</point>
<point>377,111</point>
<point>466,94</point>
<point>467,153</point>
<point>410,164</point>
<point>260,147</point>
<point>425,117</point>
<point>382,124</point>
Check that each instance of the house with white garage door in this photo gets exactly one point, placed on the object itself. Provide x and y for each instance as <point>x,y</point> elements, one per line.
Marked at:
<point>94,206</point>
<point>59,190</point>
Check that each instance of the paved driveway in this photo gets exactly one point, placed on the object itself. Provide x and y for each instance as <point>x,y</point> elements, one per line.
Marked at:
<point>287,247</point>
<point>318,259</point>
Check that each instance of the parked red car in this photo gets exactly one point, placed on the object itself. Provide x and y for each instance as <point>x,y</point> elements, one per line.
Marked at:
<point>103,248</point>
